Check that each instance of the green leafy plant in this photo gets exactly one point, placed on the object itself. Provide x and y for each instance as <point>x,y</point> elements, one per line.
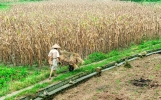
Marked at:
<point>127,65</point>
<point>96,56</point>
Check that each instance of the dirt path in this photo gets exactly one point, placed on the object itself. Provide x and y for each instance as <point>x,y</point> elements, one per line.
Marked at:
<point>19,91</point>
<point>142,82</point>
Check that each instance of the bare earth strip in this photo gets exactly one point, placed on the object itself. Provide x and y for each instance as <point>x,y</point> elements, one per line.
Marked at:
<point>116,84</point>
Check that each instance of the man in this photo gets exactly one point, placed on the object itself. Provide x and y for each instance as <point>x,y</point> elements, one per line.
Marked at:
<point>53,59</point>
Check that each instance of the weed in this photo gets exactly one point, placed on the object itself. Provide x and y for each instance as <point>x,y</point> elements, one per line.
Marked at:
<point>157,67</point>
<point>151,77</point>
<point>118,88</point>
<point>118,81</point>
<point>127,65</point>
<point>129,74</point>
<point>98,91</point>
<point>115,92</point>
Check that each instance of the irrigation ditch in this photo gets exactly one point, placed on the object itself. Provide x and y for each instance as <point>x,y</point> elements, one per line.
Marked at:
<point>49,92</point>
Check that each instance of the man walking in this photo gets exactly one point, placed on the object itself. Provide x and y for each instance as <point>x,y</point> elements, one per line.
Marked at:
<point>53,59</point>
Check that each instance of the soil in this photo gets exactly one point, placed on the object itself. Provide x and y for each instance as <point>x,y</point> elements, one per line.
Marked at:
<point>141,82</point>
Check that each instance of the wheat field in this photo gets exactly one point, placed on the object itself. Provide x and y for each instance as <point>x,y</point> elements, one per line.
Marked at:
<point>28,30</point>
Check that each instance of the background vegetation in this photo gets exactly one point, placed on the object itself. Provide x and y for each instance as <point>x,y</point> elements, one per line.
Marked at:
<point>32,0</point>
<point>2,1</point>
<point>142,0</point>
<point>29,30</point>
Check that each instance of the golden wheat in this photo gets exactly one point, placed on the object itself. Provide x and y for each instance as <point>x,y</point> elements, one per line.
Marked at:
<point>28,31</point>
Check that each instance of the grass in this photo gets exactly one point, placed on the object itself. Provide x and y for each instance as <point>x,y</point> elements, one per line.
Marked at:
<point>4,6</point>
<point>95,57</point>
<point>29,0</point>
<point>32,75</point>
<point>7,5</point>
<point>110,57</point>
<point>16,78</point>
<point>29,92</point>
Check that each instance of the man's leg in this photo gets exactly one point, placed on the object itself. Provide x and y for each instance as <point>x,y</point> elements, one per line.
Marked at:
<point>54,72</point>
<point>50,74</point>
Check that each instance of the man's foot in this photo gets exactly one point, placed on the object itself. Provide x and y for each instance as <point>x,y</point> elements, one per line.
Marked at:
<point>55,75</point>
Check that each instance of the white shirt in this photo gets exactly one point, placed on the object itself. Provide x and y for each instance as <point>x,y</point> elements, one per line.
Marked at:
<point>54,53</point>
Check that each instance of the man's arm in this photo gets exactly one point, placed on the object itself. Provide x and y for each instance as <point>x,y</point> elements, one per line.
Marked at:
<point>50,56</point>
<point>50,60</point>
<point>58,56</point>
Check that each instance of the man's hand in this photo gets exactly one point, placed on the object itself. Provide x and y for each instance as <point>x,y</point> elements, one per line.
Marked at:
<point>50,62</point>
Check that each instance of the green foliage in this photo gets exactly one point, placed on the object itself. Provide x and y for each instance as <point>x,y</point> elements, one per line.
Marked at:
<point>113,53</point>
<point>28,92</point>
<point>127,65</point>
<point>3,6</point>
<point>11,74</point>
<point>154,42</point>
<point>30,0</point>
<point>15,78</point>
<point>142,0</point>
<point>96,56</point>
